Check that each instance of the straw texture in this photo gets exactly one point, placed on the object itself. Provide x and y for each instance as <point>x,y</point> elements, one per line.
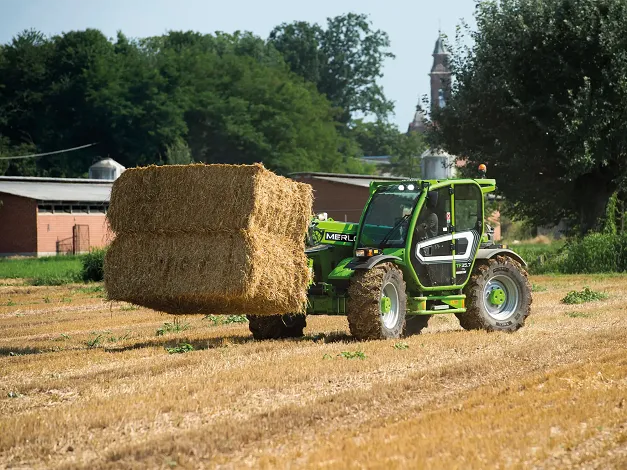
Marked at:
<point>205,198</point>
<point>219,239</point>
<point>218,273</point>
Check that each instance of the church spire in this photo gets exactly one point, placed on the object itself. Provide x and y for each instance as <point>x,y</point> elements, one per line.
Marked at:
<point>440,74</point>
<point>419,124</point>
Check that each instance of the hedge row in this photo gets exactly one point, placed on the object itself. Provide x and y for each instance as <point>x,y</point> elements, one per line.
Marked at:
<point>595,253</point>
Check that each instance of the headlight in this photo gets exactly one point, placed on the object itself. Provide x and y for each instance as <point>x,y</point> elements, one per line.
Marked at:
<point>323,216</point>
<point>367,252</point>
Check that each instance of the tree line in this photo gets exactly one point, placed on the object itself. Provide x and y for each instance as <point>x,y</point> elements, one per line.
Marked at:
<point>307,98</point>
<point>540,96</point>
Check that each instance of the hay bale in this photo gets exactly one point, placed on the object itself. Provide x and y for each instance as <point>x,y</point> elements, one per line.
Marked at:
<point>206,198</point>
<point>241,272</point>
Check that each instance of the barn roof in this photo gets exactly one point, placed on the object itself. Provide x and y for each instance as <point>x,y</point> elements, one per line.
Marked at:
<point>57,189</point>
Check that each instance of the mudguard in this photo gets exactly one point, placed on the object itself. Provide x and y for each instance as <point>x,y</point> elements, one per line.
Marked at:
<point>487,253</point>
<point>369,263</point>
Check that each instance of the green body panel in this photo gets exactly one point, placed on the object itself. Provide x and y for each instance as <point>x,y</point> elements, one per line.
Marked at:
<point>326,305</point>
<point>398,252</point>
<point>337,233</point>
<point>333,242</point>
<point>341,272</point>
<point>418,305</point>
<point>437,312</point>
<point>336,243</point>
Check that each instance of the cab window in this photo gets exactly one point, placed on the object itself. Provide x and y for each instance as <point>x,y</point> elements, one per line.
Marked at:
<point>468,208</point>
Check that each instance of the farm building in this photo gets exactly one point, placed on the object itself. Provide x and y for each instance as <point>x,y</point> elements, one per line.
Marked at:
<point>48,216</point>
<point>341,196</point>
<point>51,216</point>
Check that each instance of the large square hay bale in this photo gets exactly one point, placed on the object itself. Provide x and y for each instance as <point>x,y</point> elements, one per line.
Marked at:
<point>205,198</point>
<point>219,273</point>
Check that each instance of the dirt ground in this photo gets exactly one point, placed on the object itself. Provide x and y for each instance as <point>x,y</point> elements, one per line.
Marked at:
<point>89,384</point>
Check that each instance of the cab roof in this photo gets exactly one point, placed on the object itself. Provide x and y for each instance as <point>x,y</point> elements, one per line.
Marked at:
<point>487,185</point>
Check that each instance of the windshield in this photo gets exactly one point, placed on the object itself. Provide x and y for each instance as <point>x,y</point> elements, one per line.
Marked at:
<point>388,215</point>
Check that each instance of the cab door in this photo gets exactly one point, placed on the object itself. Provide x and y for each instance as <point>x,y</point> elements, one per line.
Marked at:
<point>467,227</point>
<point>431,246</point>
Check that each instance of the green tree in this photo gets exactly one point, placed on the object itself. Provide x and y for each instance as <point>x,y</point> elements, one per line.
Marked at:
<point>245,112</point>
<point>178,153</point>
<point>344,61</point>
<point>407,160</point>
<point>376,138</point>
<point>24,86</point>
<point>183,96</point>
<point>381,138</point>
<point>541,98</point>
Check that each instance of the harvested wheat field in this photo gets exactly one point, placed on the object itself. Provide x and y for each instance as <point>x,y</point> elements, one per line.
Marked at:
<point>90,384</point>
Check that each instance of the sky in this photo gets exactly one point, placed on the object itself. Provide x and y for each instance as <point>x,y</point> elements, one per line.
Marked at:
<point>412,26</point>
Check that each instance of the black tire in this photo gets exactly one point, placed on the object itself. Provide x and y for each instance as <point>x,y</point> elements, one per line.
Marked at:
<point>276,326</point>
<point>365,320</point>
<point>480,313</point>
<point>414,324</point>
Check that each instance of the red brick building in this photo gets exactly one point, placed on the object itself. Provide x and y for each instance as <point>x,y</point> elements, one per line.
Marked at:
<point>49,216</point>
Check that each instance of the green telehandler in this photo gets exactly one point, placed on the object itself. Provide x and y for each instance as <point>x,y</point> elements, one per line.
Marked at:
<point>421,248</point>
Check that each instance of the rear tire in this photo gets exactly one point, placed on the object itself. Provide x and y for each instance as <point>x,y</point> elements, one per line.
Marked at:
<point>366,289</point>
<point>276,326</point>
<point>507,276</point>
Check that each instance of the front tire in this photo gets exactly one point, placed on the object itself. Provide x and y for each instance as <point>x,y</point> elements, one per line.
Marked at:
<point>498,296</point>
<point>276,326</point>
<point>370,315</point>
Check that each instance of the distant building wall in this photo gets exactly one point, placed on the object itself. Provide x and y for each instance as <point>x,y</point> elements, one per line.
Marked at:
<point>343,202</point>
<point>53,228</point>
<point>18,226</point>
<point>494,219</point>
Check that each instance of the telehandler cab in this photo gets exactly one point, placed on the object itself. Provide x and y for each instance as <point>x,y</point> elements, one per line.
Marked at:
<point>421,248</point>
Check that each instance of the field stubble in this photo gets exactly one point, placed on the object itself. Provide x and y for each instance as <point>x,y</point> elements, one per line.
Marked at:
<point>89,384</point>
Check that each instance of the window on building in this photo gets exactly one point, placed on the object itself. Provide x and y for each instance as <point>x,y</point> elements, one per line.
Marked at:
<point>101,209</point>
<point>62,209</point>
<point>80,209</point>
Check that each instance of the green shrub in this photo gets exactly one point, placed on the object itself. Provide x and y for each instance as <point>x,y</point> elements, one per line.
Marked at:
<point>541,258</point>
<point>352,355</point>
<point>596,253</point>
<point>49,270</point>
<point>93,265</point>
<point>175,327</point>
<point>60,279</point>
<point>226,319</point>
<point>585,295</point>
<point>180,349</point>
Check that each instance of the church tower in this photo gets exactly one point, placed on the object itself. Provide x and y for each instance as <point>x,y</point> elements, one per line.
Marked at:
<point>434,163</point>
<point>440,75</point>
<point>440,85</point>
